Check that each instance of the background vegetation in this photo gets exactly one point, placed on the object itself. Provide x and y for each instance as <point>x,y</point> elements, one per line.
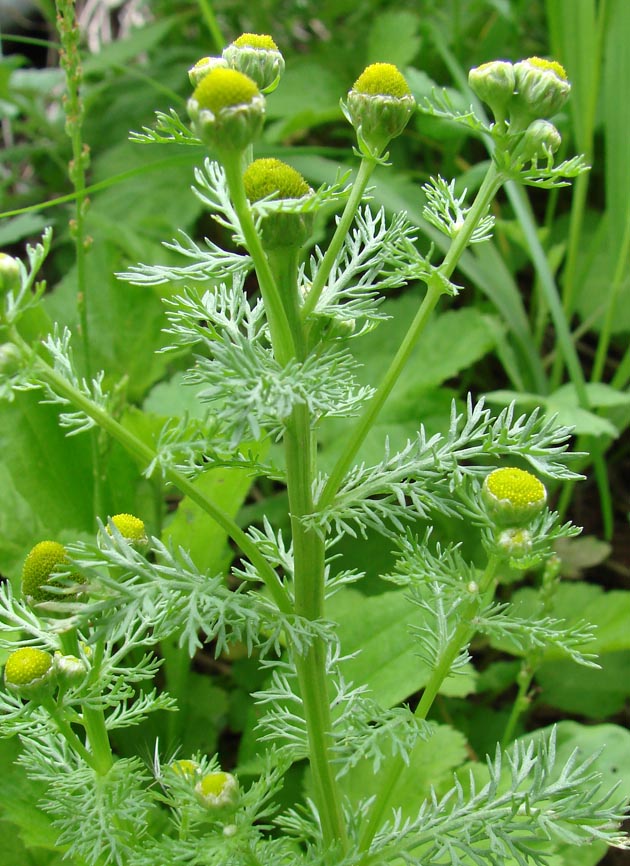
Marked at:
<point>543,320</point>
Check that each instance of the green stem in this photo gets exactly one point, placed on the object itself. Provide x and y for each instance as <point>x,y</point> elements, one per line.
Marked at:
<point>308,553</point>
<point>211,23</point>
<point>282,336</point>
<point>308,572</point>
<point>521,701</point>
<point>94,723</point>
<point>621,270</point>
<point>461,637</point>
<point>65,729</point>
<point>343,227</point>
<point>490,186</point>
<point>146,456</point>
<point>71,62</point>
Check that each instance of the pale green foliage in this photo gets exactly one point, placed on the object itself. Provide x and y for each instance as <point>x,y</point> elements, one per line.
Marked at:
<point>119,601</point>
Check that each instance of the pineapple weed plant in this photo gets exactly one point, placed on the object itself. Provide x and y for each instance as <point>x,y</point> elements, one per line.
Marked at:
<point>92,618</point>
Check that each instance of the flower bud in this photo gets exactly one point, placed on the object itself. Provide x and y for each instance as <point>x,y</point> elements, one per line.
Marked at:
<point>10,359</point>
<point>202,67</point>
<point>379,106</point>
<point>513,497</point>
<point>131,528</point>
<point>541,90</point>
<point>540,140</point>
<point>494,84</point>
<point>29,672</point>
<point>265,177</point>
<point>515,543</point>
<point>40,566</point>
<point>226,109</point>
<point>185,767</point>
<point>10,277</point>
<point>256,55</point>
<point>217,789</point>
<point>69,669</point>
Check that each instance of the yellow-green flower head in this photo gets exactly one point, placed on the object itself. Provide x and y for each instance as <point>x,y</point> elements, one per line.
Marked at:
<point>382,79</point>
<point>40,566</point>
<point>379,107</point>
<point>28,671</point>
<point>257,55</point>
<point>130,527</point>
<point>541,139</point>
<point>494,84</point>
<point>266,177</point>
<point>217,790</point>
<point>226,109</point>
<point>513,497</point>
<point>542,89</point>
<point>202,67</point>
<point>9,273</point>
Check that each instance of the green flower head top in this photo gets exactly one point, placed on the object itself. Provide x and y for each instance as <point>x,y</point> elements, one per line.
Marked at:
<point>217,790</point>
<point>29,671</point>
<point>185,768</point>
<point>202,67</point>
<point>131,528</point>
<point>40,566</point>
<point>379,106</point>
<point>266,177</point>
<point>513,497</point>
<point>9,274</point>
<point>540,141</point>
<point>226,109</point>
<point>542,89</point>
<point>257,55</point>
<point>69,669</point>
<point>494,84</point>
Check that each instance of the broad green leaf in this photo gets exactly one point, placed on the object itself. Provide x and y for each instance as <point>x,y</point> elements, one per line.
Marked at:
<point>594,694</point>
<point>388,662</point>
<point>570,687</point>
<point>393,37</point>
<point>19,806</point>
<point>430,766</point>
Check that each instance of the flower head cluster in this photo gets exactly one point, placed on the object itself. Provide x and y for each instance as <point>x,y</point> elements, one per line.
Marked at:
<point>525,94</point>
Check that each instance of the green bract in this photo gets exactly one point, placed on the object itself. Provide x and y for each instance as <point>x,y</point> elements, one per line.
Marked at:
<point>379,106</point>
<point>226,109</point>
<point>39,569</point>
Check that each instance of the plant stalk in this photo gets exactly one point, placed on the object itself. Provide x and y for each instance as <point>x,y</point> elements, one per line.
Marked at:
<point>488,189</point>
<point>461,637</point>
